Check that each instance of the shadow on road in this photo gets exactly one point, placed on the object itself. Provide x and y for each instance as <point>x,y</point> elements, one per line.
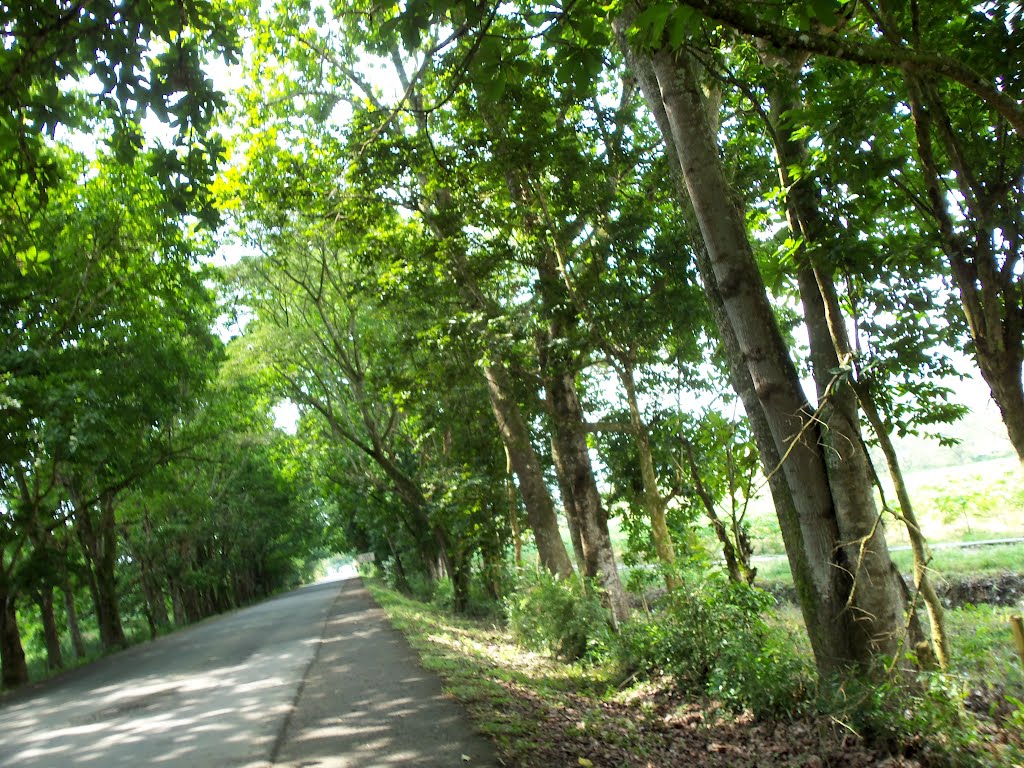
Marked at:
<point>313,678</point>
<point>367,702</point>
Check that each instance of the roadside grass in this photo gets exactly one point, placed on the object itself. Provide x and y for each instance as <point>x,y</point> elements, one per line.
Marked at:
<point>135,631</point>
<point>946,563</point>
<point>540,711</point>
<point>984,660</point>
<point>973,502</point>
<point>514,696</point>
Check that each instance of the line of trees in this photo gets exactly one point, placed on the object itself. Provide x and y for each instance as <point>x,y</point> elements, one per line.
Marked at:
<point>518,267</point>
<point>571,227</point>
<point>142,479</point>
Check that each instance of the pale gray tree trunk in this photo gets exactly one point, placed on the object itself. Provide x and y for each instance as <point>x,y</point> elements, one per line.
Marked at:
<point>836,549</point>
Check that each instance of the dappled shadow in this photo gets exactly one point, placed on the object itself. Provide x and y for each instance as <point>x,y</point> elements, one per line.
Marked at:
<point>221,693</point>
<point>367,702</point>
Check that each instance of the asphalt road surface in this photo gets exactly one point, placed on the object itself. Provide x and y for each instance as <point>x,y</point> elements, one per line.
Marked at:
<point>316,678</point>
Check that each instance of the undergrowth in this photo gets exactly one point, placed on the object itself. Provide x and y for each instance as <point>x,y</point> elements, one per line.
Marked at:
<point>556,679</point>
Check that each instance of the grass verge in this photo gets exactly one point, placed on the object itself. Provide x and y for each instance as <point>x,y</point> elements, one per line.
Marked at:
<point>541,712</point>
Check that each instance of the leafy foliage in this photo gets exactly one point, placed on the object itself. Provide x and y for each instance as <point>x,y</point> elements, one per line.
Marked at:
<point>710,635</point>
<point>563,617</point>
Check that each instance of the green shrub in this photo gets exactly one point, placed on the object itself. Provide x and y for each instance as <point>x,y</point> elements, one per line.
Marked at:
<point>562,617</point>
<point>709,635</point>
<point>926,718</point>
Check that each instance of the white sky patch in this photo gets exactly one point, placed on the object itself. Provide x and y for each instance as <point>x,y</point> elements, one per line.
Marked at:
<point>286,416</point>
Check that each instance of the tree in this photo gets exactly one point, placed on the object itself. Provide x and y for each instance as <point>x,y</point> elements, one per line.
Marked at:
<point>960,183</point>
<point>833,537</point>
<point>118,285</point>
<point>79,66</point>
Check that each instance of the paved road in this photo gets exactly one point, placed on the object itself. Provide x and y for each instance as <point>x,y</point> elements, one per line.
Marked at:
<point>313,678</point>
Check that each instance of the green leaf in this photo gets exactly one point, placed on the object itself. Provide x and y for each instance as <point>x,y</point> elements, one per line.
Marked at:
<point>650,23</point>
<point>681,26</point>
<point>825,11</point>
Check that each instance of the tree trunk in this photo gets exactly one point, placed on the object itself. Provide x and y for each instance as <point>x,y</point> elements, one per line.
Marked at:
<point>577,478</point>
<point>1002,373</point>
<point>991,294</point>
<point>823,637</point>
<point>77,642</point>
<point>100,550</point>
<point>51,635</point>
<point>13,669</point>
<point>841,632</point>
<point>111,631</point>
<point>540,511</point>
<point>830,342</point>
<point>737,557</point>
<point>513,513</point>
<point>654,502</point>
<point>178,605</point>
<point>155,604</point>
<point>875,589</point>
<point>401,580</point>
<point>572,518</point>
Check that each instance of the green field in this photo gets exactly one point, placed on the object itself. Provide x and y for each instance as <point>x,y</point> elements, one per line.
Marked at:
<point>975,502</point>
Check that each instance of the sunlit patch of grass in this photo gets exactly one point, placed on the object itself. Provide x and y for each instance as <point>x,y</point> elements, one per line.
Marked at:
<point>512,694</point>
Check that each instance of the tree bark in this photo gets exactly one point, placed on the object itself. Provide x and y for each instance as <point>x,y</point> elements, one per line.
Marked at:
<point>822,636</point>
<point>576,478</point>
<point>830,342</point>
<point>100,550</point>
<point>540,510</point>
<point>51,635</point>
<point>71,614</point>
<point>820,545</point>
<point>991,295</point>
<point>13,669</point>
<point>654,502</point>
<point>111,630</point>
<point>156,604</point>
<point>513,512</point>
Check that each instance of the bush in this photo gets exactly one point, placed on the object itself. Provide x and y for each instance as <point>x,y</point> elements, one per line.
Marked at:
<point>709,635</point>
<point>925,717</point>
<point>562,617</point>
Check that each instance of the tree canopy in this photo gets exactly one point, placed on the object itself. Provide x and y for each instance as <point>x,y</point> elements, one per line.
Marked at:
<point>521,269</point>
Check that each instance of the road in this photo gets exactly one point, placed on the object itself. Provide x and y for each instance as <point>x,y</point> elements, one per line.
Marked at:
<point>316,677</point>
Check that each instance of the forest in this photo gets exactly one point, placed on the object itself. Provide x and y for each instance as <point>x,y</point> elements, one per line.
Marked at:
<point>556,292</point>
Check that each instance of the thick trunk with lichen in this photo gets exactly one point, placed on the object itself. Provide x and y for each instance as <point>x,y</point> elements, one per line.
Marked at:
<point>540,510</point>
<point>841,632</point>
<point>830,341</point>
